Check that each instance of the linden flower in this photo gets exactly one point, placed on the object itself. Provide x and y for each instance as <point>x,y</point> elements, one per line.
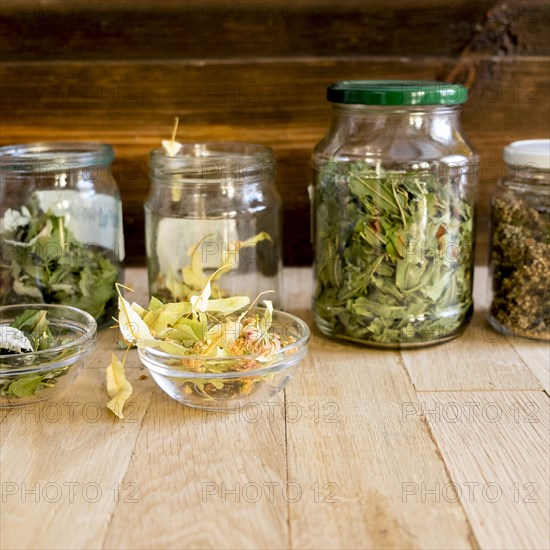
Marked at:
<point>246,386</point>
<point>252,332</point>
<point>193,365</point>
<point>268,345</point>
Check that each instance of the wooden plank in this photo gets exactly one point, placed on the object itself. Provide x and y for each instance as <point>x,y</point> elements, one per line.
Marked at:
<point>376,465</point>
<point>243,93</point>
<point>537,357</point>
<point>172,29</point>
<point>186,464</point>
<point>279,103</point>
<point>351,402</point>
<point>63,464</point>
<point>40,477</point>
<point>207,480</point>
<point>351,446</point>
<point>496,448</point>
<point>480,359</point>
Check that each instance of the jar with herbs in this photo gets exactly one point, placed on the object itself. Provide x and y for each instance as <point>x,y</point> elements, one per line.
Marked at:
<point>213,210</point>
<point>520,243</point>
<point>61,239</point>
<point>393,212</point>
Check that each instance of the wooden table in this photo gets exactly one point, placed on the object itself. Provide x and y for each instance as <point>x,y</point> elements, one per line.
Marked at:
<point>445,447</point>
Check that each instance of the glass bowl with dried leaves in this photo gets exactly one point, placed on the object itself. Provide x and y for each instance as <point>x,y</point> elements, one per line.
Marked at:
<point>42,349</point>
<point>247,358</point>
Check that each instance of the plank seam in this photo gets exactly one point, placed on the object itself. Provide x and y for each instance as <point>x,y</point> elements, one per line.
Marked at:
<point>287,467</point>
<point>483,390</point>
<point>132,454</point>
<point>471,534</point>
<point>420,60</point>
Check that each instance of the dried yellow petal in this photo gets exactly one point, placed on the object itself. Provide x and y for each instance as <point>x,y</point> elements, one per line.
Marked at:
<point>131,325</point>
<point>118,387</point>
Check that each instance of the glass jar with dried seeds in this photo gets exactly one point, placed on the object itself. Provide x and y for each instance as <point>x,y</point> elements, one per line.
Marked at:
<point>520,243</point>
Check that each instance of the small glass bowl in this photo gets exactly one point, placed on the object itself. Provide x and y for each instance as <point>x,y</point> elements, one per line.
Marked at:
<point>245,379</point>
<point>45,374</point>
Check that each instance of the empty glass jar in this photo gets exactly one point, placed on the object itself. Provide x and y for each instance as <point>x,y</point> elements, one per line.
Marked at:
<point>212,206</point>
<point>520,242</point>
<point>394,200</point>
<point>61,239</point>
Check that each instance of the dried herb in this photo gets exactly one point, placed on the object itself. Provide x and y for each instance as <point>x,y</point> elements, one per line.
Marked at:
<point>203,328</point>
<point>28,333</point>
<point>394,253</point>
<point>520,257</point>
<point>118,387</point>
<point>42,262</point>
<point>171,146</point>
<point>191,278</point>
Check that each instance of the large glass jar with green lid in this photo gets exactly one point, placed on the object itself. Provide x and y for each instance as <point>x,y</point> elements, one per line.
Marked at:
<point>394,214</point>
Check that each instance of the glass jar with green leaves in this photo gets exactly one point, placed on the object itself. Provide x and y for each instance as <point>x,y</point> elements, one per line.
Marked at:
<point>393,212</point>
<point>61,239</point>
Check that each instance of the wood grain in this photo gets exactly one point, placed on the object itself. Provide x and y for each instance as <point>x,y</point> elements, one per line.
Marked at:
<point>537,356</point>
<point>276,102</point>
<point>480,359</point>
<point>187,463</point>
<point>496,449</point>
<point>350,432</point>
<point>353,405</point>
<point>62,461</point>
<point>168,29</point>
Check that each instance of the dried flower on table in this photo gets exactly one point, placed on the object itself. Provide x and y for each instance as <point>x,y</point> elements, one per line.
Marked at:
<point>205,327</point>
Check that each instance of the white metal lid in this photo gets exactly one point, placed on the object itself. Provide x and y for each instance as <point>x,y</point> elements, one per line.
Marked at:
<point>530,151</point>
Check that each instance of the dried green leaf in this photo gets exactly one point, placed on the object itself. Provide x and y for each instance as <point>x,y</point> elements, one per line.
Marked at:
<point>47,264</point>
<point>26,385</point>
<point>393,253</point>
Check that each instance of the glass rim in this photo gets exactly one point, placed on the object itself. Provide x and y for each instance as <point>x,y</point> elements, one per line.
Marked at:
<point>213,163</point>
<point>156,359</point>
<point>88,322</point>
<point>52,155</point>
<point>201,152</point>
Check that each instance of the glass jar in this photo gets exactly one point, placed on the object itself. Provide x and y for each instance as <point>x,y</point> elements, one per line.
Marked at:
<point>520,243</point>
<point>214,205</point>
<point>394,197</point>
<point>61,239</point>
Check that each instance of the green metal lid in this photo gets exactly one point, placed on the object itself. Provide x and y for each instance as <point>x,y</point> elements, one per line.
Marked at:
<point>396,92</point>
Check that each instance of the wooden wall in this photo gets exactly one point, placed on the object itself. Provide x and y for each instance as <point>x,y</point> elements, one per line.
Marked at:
<point>118,71</point>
